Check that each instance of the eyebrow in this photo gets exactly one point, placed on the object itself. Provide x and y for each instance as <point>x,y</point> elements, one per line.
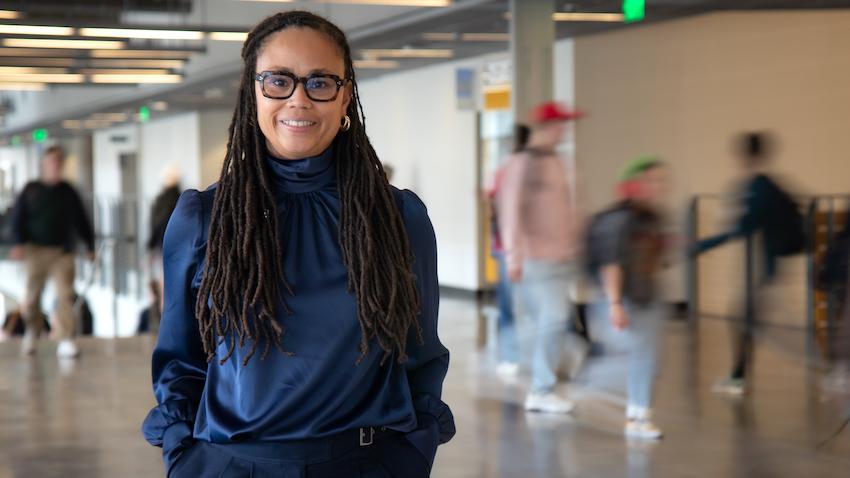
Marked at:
<point>318,71</point>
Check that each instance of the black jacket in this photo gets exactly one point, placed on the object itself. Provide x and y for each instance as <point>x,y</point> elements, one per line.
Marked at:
<point>51,216</point>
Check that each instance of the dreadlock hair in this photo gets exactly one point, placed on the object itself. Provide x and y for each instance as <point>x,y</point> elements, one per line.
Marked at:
<point>243,281</point>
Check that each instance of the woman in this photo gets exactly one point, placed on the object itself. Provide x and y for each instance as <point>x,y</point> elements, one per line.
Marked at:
<point>299,335</point>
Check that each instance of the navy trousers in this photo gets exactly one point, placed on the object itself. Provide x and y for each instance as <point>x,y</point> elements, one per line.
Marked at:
<point>354,455</point>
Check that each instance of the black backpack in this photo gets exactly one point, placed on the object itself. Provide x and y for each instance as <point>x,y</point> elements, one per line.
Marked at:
<point>786,228</point>
<point>596,235</point>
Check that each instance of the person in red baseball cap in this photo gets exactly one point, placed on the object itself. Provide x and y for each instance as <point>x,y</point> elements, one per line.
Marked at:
<point>538,226</point>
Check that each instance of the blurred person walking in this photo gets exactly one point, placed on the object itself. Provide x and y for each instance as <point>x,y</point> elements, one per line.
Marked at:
<point>299,333</point>
<point>161,210</point>
<point>508,346</point>
<point>624,252</point>
<point>47,220</point>
<point>539,227</point>
<point>769,213</point>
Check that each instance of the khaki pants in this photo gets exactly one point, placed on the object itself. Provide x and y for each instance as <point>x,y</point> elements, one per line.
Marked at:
<point>43,263</point>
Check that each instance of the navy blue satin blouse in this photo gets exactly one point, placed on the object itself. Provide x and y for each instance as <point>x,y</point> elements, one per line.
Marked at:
<point>320,390</point>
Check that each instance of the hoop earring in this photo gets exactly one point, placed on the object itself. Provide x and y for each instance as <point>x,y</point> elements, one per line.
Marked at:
<point>346,123</point>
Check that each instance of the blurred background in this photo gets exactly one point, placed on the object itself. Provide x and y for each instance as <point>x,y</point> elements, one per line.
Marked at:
<point>139,95</point>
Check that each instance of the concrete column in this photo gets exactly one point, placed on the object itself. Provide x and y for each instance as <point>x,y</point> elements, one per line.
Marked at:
<point>532,41</point>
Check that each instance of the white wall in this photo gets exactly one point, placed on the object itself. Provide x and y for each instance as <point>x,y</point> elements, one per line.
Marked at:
<point>213,138</point>
<point>171,140</point>
<point>105,157</point>
<point>414,125</point>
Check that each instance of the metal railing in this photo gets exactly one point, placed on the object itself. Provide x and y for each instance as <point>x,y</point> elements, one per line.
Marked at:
<point>822,214</point>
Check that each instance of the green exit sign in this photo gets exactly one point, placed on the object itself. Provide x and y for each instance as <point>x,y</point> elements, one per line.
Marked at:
<point>144,114</point>
<point>39,135</point>
<point>633,10</point>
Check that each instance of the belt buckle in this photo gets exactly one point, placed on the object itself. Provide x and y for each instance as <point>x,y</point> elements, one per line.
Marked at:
<point>363,436</point>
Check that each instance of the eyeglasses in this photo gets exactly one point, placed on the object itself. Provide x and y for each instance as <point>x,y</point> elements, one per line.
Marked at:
<point>280,85</point>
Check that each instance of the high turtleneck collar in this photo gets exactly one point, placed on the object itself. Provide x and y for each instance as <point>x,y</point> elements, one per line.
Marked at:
<point>303,175</point>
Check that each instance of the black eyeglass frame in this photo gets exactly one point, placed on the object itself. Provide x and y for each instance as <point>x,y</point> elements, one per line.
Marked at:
<point>302,80</point>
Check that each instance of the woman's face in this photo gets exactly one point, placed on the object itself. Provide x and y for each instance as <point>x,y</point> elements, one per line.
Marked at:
<point>298,127</point>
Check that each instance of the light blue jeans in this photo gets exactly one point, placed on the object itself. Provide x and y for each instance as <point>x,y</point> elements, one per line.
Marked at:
<point>545,296</point>
<point>641,339</point>
<point>508,347</point>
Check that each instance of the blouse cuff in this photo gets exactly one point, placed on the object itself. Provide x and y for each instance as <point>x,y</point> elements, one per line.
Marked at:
<point>161,419</point>
<point>428,405</point>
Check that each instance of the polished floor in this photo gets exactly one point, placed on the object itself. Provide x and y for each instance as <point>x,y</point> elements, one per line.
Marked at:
<point>81,419</point>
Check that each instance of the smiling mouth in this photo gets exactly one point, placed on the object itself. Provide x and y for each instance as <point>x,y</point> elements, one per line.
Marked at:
<point>298,123</point>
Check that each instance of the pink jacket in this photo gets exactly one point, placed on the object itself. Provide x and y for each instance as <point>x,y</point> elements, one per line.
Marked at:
<point>537,217</point>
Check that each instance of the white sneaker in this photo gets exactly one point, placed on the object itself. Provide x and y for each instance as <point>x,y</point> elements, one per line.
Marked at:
<point>548,403</point>
<point>67,349</point>
<point>642,429</point>
<point>507,370</point>
<point>28,343</point>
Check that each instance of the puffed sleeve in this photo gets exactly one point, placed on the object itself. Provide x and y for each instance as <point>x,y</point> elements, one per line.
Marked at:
<point>179,363</point>
<point>427,362</point>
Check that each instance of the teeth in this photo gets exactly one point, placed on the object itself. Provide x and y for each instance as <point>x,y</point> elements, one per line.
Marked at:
<point>298,124</point>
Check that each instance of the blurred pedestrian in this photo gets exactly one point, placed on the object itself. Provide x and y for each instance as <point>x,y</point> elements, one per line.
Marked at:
<point>508,346</point>
<point>625,247</point>
<point>47,220</point>
<point>771,215</point>
<point>538,227</point>
<point>161,210</point>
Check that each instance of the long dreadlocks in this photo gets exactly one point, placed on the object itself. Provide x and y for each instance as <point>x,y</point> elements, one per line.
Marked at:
<point>243,279</point>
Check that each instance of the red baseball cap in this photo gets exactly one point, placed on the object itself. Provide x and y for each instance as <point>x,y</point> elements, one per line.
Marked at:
<point>554,111</point>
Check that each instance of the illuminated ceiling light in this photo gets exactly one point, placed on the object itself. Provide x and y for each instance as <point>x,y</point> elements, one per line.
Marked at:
<point>9,15</point>
<point>587,17</point>
<point>108,117</point>
<point>392,3</point>
<point>497,37</point>
<point>29,70</point>
<point>582,17</point>
<point>142,34</point>
<point>144,54</point>
<point>36,30</point>
<point>136,78</point>
<point>34,53</point>
<point>96,124</point>
<point>66,44</point>
<point>37,62</point>
<point>41,78</point>
<point>117,71</point>
<point>23,86</point>
<point>227,36</point>
<point>118,63</point>
<point>373,54</point>
<point>376,64</point>
<point>72,124</point>
<point>159,106</point>
<point>439,36</point>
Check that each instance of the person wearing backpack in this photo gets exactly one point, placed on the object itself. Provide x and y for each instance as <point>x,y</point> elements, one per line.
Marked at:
<point>539,226</point>
<point>508,346</point>
<point>624,252</point>
<point>770,213</point>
